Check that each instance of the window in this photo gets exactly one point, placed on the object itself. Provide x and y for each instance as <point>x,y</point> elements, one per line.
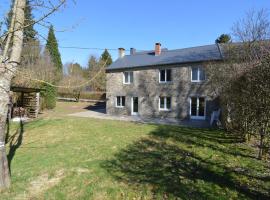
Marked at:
<point>197,107</point>
<point>120,101</point>
<point>165,75</point>
<point>164,103</point>
<point>128,77</point>
<point>197,74</point>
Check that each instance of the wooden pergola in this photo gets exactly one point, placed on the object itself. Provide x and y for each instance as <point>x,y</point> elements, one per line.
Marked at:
<point>28,102</point>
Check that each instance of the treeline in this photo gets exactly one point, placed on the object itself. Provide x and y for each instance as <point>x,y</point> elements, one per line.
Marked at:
<point>89,82</point>
<point>42,67</point>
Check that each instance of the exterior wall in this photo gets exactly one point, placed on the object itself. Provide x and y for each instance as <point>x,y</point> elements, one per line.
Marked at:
<point>146,86</point>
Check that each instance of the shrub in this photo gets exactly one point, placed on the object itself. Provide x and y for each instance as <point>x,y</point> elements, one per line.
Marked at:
<point>48,95</point>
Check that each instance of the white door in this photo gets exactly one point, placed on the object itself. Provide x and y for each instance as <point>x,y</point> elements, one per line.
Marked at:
<point>197,107</point>
<point>134,105</point>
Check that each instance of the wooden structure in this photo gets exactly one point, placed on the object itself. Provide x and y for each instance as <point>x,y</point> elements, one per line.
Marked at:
<point>26,103</point>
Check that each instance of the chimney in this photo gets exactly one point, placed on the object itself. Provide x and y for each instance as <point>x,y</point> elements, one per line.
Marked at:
<point>132,51</point>
<point>157,49</point>
<point>121,52</point>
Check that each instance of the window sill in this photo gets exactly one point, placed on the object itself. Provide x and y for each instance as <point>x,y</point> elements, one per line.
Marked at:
<point>119,106</point>
<point>165,110</point>
<point>198,81</point>
<point>165,82</point>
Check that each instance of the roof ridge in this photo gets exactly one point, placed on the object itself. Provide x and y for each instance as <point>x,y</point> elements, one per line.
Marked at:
<point>170,50</point>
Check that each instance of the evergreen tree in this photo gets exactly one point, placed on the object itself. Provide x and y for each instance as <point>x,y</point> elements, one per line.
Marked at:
<point>29,33</point>
<point>223,38</point>
<point>50,93</point>
<point>92,62</point>
<point>48,96</point>
<point>52,48</point>
<point>105,56</point>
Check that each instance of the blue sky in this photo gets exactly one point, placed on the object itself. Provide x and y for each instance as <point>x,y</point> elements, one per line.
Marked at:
<point>141,23</point>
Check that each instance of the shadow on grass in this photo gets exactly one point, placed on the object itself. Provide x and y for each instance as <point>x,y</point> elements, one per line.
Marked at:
<point>166,161</point>
<point>15,142</point>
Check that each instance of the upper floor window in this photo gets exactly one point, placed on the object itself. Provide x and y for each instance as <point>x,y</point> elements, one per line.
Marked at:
<point>197,74</point>
<point>128,77</point>
<point>120,101</point>
<point>164,103</point>
<point>165,75</point>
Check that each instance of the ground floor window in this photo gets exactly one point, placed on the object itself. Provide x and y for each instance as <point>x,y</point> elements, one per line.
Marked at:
<point>197,107</point>
<point>120,101</point>
<point>164,103</point>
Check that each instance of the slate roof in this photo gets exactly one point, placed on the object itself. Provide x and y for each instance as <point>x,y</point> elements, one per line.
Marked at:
<point>178,56</point>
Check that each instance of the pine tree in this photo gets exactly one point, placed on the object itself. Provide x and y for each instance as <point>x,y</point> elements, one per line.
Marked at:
<point>50,93</point>
<point>223,38</point>
<point>52,48</point>
<point>105,56</point>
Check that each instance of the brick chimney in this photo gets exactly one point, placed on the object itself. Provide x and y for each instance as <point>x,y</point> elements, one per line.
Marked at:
<point>132,51</point>
<point>121,52</point>
<point>157,49</point>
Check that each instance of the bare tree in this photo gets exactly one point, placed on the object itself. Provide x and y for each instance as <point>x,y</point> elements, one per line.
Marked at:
<point>241,80</point>
<point>41,68</point>
<point>8,67</point>
<point>75,77</point>
<point>9,61</point>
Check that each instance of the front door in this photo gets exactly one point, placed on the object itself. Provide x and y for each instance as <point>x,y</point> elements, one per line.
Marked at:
<point>134,105</point>
<point>197,107</point>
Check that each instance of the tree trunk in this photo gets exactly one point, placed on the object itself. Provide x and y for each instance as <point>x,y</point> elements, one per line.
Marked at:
<point>8,66</point>
<point>4,100</point>
<point>261,145</point>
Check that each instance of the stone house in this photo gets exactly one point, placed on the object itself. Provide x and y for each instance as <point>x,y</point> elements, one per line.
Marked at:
<point>162,83</point>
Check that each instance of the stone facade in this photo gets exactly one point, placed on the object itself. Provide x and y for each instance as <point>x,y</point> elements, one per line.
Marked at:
<point>148,89</point>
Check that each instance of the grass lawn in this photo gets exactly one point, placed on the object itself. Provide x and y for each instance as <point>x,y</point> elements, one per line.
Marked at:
<point>60,157</point>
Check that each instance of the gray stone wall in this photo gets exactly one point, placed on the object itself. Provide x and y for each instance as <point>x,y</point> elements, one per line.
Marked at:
<point>146,86</point>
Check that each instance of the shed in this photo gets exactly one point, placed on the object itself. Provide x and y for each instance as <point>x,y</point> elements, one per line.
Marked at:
<point>26,103</point>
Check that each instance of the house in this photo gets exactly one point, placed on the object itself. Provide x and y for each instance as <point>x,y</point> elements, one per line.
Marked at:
<point>162,83</point>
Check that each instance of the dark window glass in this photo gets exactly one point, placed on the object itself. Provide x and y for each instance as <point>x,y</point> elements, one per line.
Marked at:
<point>162,102</point>
<point>135,104</point>
<point>123,101</point>
<point>201,106</point>
<point>169,75</point>
<point>202,74</point>
<point>162,76</point>
<point>131,77</point>
<point>126,77</point>
<point>194,73</point>
<point>118,103</point>
<point>193,106</point>
<point>168,102</point>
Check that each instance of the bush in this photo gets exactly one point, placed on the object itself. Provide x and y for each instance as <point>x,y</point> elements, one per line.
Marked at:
<point>48,95</point>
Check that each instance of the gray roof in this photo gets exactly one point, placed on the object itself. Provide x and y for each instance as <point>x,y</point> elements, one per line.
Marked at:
<point>177,56</point>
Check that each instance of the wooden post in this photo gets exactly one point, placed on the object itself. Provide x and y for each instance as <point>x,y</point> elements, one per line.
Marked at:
<point>37,103</point>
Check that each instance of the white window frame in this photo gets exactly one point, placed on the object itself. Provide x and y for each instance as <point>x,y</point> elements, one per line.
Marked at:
<point>165,76</point>
<point>197,109</point>
<point>129,77</point>
<point>200,69</point>
<point>165,104</point>
<point>121,102</point>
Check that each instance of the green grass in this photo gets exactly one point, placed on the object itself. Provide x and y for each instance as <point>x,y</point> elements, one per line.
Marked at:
<point>79,158</point>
